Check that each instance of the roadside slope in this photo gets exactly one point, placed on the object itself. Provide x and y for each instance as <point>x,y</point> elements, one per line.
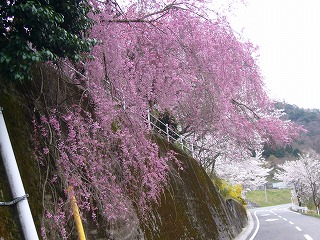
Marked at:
<point>190,206</point>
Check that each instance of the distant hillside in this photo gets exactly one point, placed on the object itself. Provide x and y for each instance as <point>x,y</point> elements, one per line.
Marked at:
<point>310,120</point>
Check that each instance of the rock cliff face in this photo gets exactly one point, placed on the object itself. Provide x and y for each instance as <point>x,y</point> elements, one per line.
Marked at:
<point>190,206</point>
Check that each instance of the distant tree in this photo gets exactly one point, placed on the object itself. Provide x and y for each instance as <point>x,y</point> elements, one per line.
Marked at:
<point>304,174</point>
<point>251,173</point>
<point>33,31</point>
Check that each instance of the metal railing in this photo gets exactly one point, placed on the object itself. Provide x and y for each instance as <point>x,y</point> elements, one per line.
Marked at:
<point>153,122</point>
<point>171,135</point>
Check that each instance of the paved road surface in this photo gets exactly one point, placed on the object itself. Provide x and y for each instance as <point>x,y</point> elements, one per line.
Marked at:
<point>280,223</point>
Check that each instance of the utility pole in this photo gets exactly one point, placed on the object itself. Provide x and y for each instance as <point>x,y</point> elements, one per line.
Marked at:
<point>265,192</point>
<point>15,182</point>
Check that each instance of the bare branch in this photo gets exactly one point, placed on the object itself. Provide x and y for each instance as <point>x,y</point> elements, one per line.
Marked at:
<point>144,18</point>
<point>242,105</point>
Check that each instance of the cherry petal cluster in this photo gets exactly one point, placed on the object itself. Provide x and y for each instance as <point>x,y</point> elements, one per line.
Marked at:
<point>158,55</point>
<point>251,173</point>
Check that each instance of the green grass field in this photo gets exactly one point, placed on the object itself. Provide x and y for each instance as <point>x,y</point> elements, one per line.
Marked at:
<point>269,198</point>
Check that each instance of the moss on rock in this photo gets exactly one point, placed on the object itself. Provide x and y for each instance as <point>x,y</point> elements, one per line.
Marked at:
<point>191,207</point>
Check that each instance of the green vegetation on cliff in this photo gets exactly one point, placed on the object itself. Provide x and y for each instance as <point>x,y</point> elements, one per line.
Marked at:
<point>33,31</point>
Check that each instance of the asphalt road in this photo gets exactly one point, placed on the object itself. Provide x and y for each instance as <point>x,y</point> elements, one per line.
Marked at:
<point>280,223</point>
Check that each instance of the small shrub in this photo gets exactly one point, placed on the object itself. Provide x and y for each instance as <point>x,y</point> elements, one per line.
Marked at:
<point>229,191</point>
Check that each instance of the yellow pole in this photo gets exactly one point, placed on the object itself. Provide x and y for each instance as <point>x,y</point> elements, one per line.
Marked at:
<point>76,214</point>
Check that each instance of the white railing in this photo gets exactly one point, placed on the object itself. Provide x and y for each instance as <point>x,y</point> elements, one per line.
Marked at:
<point>172,136</point>
<point>153,122</point>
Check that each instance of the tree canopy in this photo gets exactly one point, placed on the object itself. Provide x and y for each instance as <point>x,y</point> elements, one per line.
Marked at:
<point>172,57</point>
<point>250,173</point>
<point>39,30</point>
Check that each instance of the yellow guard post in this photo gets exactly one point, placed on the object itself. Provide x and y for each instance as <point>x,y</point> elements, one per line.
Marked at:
<point>76,214</point>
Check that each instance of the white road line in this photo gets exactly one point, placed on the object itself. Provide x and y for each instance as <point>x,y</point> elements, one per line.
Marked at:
<point>308,237</point>
<point>257,228</point>
<point>296,213</point>
<point>285,219</point>
<point>291,222</point>
<point>299,229</point>
<point>271,219</point>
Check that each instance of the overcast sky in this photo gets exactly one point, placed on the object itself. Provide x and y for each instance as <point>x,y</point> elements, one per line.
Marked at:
<point>288,35</point>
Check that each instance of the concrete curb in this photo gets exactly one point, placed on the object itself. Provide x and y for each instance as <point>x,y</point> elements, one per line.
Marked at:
<point>247,229</point>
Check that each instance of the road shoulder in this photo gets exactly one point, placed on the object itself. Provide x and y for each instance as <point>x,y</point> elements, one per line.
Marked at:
<point>247,229</point>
